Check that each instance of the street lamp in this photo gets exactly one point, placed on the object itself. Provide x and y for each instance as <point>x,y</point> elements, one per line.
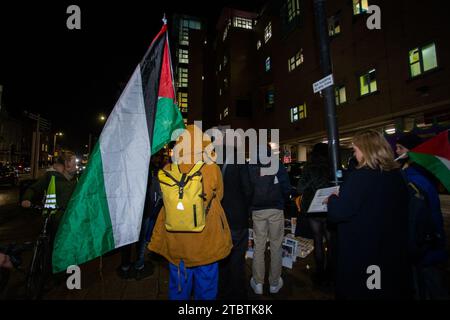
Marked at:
<point>54,141</point>
<point>102,117</point>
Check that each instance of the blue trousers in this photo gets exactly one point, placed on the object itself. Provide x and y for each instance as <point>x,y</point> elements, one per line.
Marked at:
<point>203,280</point>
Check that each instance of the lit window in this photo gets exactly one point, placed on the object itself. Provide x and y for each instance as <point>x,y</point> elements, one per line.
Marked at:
<point>368,83</point>
<point>270,98</point>
<point>225,32</point>
<point>195,25</point>
<point>334,26</point>
<point>183,56</point>
<point>302,111</point>
<point>182,77</point>
<point>220,67</point>
<point>268,32</point>
<point>184,36</point>
<point>293,8</point>
<point>225,112</point>
<point>295,61</point>
<point>225,60</point>
<point>294,114</point>
<point>422,59</point>
<point>183,101</point>
<point>220,116</point>
<point>258,44</point>
<point>267,64</point>
<point>220,92</point>
<point>360,6</point>
<point>244,23</point>
<point>340,95</point>
<point>225,83</point>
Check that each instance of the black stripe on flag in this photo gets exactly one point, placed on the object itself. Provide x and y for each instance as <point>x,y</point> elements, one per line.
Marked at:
<point>150,75</point>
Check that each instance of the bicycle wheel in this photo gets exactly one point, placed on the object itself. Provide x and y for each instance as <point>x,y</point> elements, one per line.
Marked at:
<point>39,269</point>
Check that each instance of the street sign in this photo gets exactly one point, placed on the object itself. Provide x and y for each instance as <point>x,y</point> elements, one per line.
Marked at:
<point>323,83</point>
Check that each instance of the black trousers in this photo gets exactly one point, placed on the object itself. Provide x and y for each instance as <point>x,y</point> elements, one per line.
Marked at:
<point>232,280</point>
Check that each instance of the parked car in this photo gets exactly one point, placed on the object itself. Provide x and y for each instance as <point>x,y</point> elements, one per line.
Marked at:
<point>9,175</point>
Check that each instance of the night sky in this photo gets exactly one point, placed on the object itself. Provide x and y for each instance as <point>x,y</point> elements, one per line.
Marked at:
<point>71,76</point>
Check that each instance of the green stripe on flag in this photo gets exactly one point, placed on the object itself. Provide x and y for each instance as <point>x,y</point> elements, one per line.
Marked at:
<point>85,231</point>
<point>436,165</point>
<point>168,118</point>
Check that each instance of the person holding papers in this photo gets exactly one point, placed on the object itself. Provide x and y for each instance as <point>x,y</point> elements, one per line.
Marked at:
<point>371,212</point>
<point>316,175</point>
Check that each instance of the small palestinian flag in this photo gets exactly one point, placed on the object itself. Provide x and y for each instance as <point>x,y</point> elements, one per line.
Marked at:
<point>434,155</point>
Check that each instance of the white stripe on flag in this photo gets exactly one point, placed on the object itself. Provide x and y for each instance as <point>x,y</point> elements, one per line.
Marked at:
<point>445,162</point>
<point>125,150</point>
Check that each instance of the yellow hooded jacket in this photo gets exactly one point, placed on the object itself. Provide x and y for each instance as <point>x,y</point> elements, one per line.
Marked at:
<point>202,248</point>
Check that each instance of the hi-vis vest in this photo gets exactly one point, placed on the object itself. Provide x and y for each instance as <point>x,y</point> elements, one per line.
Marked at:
<point>50,196</point>
<point>183,197</point>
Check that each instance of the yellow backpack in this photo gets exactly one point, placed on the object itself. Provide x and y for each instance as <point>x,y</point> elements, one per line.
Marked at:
<point>184,199</point>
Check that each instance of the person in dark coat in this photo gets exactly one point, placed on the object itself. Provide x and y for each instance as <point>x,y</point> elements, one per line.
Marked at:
<point>316,175</point>
<point>428,268</point>
<point>371,212</point>
<point>236,204</point>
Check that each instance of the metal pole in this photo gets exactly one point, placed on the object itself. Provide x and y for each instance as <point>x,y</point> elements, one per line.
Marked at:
<point>38,148</point>
<point>328,93</point>
<point>89,147</point>
<point>54,145</point>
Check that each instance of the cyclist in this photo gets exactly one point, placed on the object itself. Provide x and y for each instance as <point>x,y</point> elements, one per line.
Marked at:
<point>65,182</point>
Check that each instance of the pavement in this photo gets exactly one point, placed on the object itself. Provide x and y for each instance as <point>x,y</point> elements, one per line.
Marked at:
<point>99,280</point>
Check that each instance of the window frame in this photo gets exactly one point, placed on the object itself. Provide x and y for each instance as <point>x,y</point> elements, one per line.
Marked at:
<point>183,74</point>
<point>361,10</point>
<point>337,96</point>
<point>296,60</point>
<point>243,23</point>
<point>183,101</point>
<point>332,25</point>
<point>421,60</point>
<point>370,91</point>
<point>292,10</point>
<point>268,62</point>
<point>268,32</point>
<point>183,56</point>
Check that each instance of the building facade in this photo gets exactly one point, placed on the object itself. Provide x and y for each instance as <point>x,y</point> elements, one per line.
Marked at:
<point>394,79</point>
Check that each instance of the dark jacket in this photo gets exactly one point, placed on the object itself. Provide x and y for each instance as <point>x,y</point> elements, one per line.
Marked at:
<point>315,175</point>
<point>438,255</point>
<point>236,196</point>
<point>283,187</point>
<point>64,189</point>
<point>371,213</point>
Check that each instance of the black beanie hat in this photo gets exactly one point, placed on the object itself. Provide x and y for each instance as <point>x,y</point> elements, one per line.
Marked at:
<point>409,141</point>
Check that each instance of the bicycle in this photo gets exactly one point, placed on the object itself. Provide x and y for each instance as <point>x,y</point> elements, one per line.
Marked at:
<point>40,266</point>
<point>14,251</point>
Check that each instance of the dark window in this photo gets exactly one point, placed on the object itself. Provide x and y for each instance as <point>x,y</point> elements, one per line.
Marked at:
<point>243,108</point>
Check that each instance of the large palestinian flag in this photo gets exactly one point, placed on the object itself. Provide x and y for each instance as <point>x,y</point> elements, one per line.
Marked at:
<point>434,155</point>
<point>105,211</point>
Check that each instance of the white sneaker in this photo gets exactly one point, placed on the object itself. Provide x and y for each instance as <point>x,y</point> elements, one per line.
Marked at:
<point>275,289</point>
<point>257,287</point>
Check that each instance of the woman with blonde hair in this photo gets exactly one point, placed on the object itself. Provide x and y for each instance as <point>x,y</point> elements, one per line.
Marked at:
<point>371,212</point>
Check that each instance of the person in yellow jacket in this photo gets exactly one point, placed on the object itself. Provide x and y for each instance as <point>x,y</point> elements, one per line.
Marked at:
<point>193,256</point>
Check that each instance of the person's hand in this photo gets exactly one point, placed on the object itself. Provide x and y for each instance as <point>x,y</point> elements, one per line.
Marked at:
<point>5,261</point>
<point>26,203</point>
<point>325,201</point>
